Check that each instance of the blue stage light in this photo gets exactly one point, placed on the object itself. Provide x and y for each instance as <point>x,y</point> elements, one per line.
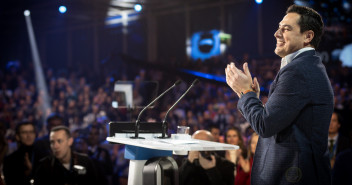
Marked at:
<point>138,7</point>
<point>259,1</point>
<point>218,78</point>
<point>62,9</point>
<point>346,5</point>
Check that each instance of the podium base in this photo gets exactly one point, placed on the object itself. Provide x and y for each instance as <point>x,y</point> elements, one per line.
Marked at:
<point>135,172</point>
<point>138,157</point>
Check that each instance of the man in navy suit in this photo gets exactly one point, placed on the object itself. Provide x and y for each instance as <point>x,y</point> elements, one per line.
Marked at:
<point>293,125</point>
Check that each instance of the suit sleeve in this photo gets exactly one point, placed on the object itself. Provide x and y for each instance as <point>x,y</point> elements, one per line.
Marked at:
<point>288,98</point>
<point>187,169</point>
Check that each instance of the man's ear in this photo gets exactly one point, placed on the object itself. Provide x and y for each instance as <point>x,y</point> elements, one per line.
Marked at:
<point>308,37</point>
<point>70,141</point>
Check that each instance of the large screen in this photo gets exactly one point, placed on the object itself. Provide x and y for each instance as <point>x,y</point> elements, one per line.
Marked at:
<point>206,44</point>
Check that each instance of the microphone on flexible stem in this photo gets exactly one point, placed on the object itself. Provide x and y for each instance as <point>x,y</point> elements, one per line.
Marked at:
<point>136,132</point>
<point>164,123</point>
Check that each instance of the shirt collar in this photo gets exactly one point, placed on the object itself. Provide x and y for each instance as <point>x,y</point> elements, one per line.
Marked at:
<point>288,58</point>
<point>334,138</point>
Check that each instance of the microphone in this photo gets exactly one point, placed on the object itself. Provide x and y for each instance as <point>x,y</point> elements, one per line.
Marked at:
<point>164,123</point>
<point>136,132</point>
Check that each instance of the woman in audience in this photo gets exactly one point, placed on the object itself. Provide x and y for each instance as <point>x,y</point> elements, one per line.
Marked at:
<point>234,136</point>
<point>244,165</point>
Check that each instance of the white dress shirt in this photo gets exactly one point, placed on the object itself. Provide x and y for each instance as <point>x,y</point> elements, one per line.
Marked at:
<point>288,58</point>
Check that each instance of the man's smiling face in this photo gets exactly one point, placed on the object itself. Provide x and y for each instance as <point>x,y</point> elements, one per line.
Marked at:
<point>288,36</point>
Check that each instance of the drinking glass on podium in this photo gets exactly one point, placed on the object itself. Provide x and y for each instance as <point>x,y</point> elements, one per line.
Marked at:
<point>183,130</point>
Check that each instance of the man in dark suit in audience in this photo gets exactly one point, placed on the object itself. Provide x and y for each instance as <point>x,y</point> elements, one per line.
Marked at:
<point>336,141</point>
<point>64,167</point>
<point>18,166</point>
<point>293,125</point>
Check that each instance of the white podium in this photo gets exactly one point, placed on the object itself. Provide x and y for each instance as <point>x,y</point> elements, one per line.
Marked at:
<point>141,150</point>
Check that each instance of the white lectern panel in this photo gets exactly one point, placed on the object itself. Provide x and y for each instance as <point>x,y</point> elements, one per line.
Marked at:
<point>174,144</point>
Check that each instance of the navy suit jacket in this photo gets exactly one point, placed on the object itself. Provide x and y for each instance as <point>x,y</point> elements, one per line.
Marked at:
<point>293,125</point>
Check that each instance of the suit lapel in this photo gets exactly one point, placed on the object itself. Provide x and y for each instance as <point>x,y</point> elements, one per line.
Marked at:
<point>273,84</point>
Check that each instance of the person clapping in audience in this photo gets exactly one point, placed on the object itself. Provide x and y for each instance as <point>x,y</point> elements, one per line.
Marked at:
<point>234,136</point>
<point>244,165</point>
<point>18,166</point>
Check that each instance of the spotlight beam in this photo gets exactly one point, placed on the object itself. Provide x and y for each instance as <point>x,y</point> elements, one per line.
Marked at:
<point>39,75</point>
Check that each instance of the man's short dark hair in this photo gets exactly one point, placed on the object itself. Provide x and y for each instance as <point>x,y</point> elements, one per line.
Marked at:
<point>90,127</point>
<point>54,117</point>
<point>309,20</point>
<point>62,127</point>
<point>213,126</point>
<point>339,117</point>
<point>19,125</point>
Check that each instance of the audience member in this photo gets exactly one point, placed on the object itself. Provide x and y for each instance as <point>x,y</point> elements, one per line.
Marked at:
<point>18,166</point>
<point>337,142</point>
<point>42,144</point>
<point>121,167</point>
<point>244,166</point>
<point>197,169</point>
<point>341,173</point>
<point>80,145</point>
<point>221,118</point>
<point>3,145</point>
<point>233,136</point>
<point>99,154</point>
<point>64,166</point>
<point>215,131</point>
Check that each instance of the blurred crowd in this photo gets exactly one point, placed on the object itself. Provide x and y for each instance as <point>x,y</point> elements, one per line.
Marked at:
<point>83,103</point>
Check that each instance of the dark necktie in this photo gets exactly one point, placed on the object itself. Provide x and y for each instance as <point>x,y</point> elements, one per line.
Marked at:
<point>331,141</point>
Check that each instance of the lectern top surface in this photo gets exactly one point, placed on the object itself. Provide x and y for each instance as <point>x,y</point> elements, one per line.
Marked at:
<point>174,144</point>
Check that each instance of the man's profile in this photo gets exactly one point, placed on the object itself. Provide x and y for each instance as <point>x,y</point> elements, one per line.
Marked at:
<point>293,125</point>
